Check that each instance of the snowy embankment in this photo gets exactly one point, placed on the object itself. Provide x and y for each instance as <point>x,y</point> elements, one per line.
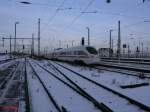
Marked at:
<point>114,80</point>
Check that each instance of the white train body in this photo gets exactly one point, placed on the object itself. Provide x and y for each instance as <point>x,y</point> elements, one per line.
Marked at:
<point>86,54</point>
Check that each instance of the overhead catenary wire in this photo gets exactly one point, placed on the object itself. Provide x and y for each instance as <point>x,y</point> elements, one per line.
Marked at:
<point>44,10</point>
<point>81,15</point>
<point>116,14</point>
<point>53,16</point>
<point>90,3</point>
<point>78,16</point>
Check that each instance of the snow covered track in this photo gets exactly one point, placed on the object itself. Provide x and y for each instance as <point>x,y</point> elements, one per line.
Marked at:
<point>123,72</point>
<point>139,104</point>
<point>79,90</point>
<point>47,92</point>
<point>5,74</point>
<point>12,90</point>
<point>4,61</point>
<point>26,89</point>
<point>128,60</point>
<point>141,62</point>
<point>131,68</point>
<point>9,82</point>
<point>81,93</point>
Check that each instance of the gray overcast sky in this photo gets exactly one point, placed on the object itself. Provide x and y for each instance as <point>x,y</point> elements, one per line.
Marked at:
<point>69,24</point>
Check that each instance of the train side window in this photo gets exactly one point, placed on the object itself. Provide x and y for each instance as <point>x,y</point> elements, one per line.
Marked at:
<point>81,53</point>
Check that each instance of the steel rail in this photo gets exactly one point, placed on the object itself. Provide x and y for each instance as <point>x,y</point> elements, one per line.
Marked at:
<point>47,91</point>
<point>80,91</point>
<point>137,103</point>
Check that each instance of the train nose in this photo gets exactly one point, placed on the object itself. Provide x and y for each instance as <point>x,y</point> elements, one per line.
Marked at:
<point>95,59</point>
<point>94,56</point>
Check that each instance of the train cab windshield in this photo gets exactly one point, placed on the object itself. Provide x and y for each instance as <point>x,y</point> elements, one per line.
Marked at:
<point>91,50</point>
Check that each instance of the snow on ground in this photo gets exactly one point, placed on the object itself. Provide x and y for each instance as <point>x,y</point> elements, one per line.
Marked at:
<point>114,80</point>
<point>141,66</point>
<point>7,64</point>
<point>125,72</point>
<point>39,101</point>
<point>65,96</point>
<point>4,57</point>
<point>111,100</point>
<point>10,81</point>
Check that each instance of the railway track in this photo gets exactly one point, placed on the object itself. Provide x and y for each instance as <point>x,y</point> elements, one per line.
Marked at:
<point>123,72</point>
<point>6,75</point>
<point>127,64</point>
<point>69,83</point>
<point>132,71</point>
<point>27,100</point>
<point>12,88</point>
<point>7,82</point>
<point>137,103</point>
<point>50,97</point>
<point>136,69</point>
<point>11,91</point>
<point>127,61</point>
<point>4,61</point>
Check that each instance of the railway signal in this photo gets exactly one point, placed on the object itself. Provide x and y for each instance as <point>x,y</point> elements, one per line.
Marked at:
<point>82,41</point>
<point>108,1</point>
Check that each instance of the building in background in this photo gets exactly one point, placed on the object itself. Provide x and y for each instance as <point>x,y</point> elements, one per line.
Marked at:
<point>105,52</point>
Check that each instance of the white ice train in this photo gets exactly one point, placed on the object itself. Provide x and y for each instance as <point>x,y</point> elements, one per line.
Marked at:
<point>85,54</point>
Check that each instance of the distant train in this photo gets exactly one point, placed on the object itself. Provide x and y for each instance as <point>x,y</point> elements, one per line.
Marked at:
<point>85,54</point>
